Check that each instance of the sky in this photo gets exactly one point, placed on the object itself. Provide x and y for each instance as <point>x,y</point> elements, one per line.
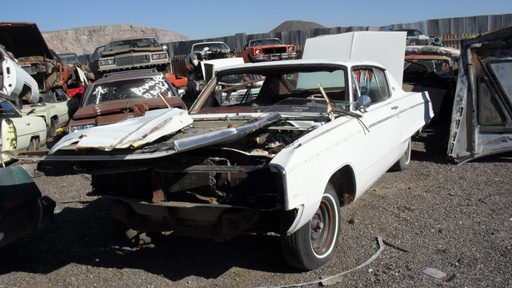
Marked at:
<point>209,19</point>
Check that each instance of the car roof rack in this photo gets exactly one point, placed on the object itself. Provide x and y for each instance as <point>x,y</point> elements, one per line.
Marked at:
<point>128,72</point>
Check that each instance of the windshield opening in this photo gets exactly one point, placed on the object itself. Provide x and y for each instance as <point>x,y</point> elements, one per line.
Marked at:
<point>259,90</point>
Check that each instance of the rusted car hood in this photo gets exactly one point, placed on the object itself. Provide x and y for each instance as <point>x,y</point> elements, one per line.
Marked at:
<point>23,39</point>
<point>481,122</point>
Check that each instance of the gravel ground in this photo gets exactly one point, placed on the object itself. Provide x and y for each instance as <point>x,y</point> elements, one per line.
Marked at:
<point>455,219</point>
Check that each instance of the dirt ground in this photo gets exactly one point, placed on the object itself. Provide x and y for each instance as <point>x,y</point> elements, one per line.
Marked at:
<point>436,217</point>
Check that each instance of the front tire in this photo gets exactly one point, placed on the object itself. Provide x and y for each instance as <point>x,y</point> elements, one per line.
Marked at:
<point>313,245</point>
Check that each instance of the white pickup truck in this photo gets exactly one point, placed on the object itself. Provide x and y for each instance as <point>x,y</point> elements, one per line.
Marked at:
<point>267,147</point>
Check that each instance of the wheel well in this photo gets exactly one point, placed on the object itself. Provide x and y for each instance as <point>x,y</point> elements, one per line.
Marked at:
<point>345,184</point>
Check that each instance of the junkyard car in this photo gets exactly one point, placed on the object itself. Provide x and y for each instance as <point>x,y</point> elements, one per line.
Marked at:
<point>94,63</point>
<point>433,69</point>
<point>133,53</point>
<point>195,59</point>
<point>22,207</point>
<point>53,108</point>
<point>18,131</point>
<point>116,96</point>
<point>33,55</point>
<point>268,147</point>
<point>416,37</point>
<point>482,118</point>
<point>268,49</point>
<point>16,84</point>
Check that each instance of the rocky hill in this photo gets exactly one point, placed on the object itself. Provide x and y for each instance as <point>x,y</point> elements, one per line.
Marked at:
<point>85,39</point>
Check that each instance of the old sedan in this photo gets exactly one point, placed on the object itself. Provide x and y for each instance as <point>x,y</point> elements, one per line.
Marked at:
<point>121,95</point>
<point>18,131</point>
<point>268,147</point>
<point>268,49</point>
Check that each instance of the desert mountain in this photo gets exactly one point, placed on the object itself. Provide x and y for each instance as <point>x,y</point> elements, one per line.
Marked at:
<point>85,39</point>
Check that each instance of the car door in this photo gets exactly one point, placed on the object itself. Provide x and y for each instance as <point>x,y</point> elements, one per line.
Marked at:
<point>482,115</point>
<point>380,117</point>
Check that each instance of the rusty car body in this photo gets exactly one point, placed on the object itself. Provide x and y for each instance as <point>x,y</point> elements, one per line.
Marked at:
<point>23,208</point>
<point>117,95</point>
<point>274,146</point>
<point>481,122</point>
<point>268,49</point>
<point>133,53</point>
<point>28,46</point>
<point>16,85</point>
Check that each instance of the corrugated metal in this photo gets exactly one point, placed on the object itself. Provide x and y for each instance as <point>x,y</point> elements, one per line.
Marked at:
<point>455,28</point>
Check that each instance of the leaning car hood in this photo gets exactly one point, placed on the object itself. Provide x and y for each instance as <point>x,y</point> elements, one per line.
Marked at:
<point>481,119</point>
<point>23,39</point>
<point>129,133</point>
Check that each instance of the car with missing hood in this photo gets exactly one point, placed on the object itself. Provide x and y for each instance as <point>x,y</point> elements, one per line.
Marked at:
<point>121,95</point>
<point>481,123</point>
<point>272,147</point>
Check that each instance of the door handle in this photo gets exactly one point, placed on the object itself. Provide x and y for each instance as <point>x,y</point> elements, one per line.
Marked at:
<point>394,107</point>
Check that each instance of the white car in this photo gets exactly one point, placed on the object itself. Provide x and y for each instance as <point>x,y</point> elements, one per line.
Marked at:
<point>53,108</point>
<point>15,83</point>
<point>18,131</point>
<point>267,147</point>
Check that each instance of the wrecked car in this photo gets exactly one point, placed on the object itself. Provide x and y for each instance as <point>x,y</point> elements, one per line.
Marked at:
<point>195,59</point>
<point>482,119</point>
<point>23,209</point>
<point>94,63</point>
<point>121,95</point>
<point>28,46</point>
<point>53,108</point>
<point>133,53</point>
<point>268,49</point>
<point>16,84</point>
<point>433,69</point>
<point>18,131</point>
<point>416,37</point>
<point>275,146</point>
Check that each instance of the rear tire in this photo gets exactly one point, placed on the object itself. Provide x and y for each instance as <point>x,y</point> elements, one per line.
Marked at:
<point>313,245</point>
<point>52,129</point>
<point>405,160</point>
<point>34,144</point>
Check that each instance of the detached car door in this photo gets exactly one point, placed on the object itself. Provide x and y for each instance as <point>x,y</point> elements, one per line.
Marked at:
<point>482,114</point>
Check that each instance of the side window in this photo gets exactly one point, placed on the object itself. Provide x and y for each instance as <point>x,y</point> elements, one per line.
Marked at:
<point>370,81</point>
